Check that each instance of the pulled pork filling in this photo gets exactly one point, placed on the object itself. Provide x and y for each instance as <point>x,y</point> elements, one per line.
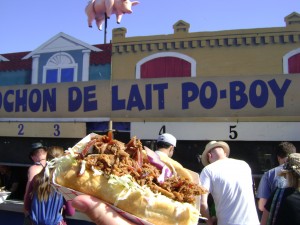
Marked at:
<point>114,157</point>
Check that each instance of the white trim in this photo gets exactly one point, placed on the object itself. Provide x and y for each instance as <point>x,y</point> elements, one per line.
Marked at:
<point>166,54</point>
<point>286,58</point>
<point>35,69</point>
<point>95,119</point>
<point>76,46</point>
<point>85,65</point>
<point>203,131</point>
<point>2,58</point>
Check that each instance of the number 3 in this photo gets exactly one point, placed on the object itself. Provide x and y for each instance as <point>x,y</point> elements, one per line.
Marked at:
<point>57,130</point>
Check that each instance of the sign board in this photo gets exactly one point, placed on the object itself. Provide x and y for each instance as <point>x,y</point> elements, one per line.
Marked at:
<point>238,131</point>
<point>49,130</point>
<point>150,99</point>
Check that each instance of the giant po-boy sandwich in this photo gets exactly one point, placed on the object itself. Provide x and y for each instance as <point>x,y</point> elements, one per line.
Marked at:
<point>136,180</point>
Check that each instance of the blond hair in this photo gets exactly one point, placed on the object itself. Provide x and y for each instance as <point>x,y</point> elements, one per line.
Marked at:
<point>291,170</point>
<point>41,184</point>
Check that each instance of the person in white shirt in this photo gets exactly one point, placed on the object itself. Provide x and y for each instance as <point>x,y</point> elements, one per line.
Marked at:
<point>229,181</point>
<point>165,144</point>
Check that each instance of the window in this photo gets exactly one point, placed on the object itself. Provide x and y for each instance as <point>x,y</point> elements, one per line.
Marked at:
<point>294,63</point>
<point>166,64</point>
<point>166,67</point>
<point>61,67</point>
<point>291,62</point>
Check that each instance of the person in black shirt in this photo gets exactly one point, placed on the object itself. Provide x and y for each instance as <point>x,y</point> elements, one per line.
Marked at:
<point>283,207</point>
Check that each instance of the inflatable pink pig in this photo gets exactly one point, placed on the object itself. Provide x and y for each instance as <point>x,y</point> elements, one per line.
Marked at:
<point>96,9</point>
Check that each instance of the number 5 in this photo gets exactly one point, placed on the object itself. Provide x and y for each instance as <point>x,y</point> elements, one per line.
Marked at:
<point>233,133</point>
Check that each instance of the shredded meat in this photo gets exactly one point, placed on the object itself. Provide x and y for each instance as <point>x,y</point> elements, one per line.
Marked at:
<point>114,157</point>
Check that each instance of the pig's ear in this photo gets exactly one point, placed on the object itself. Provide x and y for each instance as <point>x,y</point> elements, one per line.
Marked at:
<point>135,3</point>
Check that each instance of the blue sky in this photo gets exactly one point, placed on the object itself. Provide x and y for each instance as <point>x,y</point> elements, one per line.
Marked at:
<point>25,25</point>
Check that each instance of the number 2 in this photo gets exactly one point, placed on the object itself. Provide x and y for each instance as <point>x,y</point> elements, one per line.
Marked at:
<point>21,129</point>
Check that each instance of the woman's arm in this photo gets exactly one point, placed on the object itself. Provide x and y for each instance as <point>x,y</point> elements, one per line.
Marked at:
<point>264,218</point>
<point>28,198</point>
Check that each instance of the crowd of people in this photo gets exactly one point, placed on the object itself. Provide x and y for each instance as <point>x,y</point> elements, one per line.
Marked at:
<point>228,181</point>
<point>283,207</point>
<point>271,179</point>
<point>43,205</point>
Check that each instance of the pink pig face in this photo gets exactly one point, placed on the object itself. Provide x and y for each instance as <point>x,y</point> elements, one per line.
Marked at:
<point>96,10</point>
<point>124,6</point>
